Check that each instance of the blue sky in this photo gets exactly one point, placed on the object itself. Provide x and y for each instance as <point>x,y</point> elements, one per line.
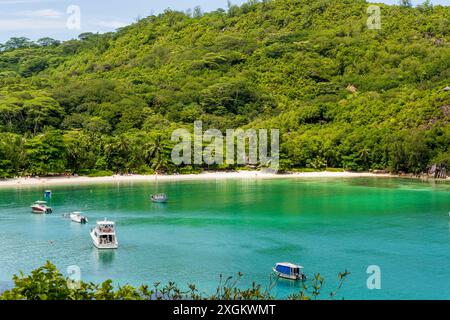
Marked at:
<point>38,18</point>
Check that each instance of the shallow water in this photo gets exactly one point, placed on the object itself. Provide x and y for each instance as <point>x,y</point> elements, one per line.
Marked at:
<point>221,227</point>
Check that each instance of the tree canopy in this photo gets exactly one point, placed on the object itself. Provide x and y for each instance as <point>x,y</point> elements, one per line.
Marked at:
<point>342,95</point>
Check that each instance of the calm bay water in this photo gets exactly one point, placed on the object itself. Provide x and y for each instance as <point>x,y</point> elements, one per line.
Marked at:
<point>221,227</point>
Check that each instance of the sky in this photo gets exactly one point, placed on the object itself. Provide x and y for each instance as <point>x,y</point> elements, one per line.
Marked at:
<point>66,19</point>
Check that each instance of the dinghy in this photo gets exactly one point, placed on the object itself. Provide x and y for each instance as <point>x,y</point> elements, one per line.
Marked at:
<point>78,217</point>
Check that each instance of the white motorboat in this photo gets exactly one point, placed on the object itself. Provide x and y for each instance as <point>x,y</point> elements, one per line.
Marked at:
<point>160,198</point>
<point>104,235</point>
<point>78,217</point>
<point>40,207</point>
<point>290,271</point>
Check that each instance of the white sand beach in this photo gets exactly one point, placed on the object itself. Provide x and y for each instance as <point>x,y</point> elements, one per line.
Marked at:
<point>53,181</point>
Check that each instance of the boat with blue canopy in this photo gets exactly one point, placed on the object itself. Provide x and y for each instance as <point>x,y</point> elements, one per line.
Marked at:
<point>290,271</point>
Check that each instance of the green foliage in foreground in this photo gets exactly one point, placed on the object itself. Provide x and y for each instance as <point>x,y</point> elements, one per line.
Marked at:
<point>342,95</point>
<point>47,283</point>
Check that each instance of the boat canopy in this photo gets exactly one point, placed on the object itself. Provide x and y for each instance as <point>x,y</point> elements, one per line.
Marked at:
<point>288,268</point>
<point>40,202</point>
<point>290,265</point>
<point>105,223</point>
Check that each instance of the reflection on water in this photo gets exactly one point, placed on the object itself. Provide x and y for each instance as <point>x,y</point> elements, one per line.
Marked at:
<point>104,258</point>
<point>286,285</point>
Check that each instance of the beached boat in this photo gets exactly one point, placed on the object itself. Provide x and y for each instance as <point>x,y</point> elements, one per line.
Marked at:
<point>289,271</point>
<point>159,198</point>
<point>104,235</point>
<point>40,207</point>
<point>78,217</point>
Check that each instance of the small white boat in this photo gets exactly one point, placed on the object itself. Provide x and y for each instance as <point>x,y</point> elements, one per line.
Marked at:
<point>78,217</point>
<point>159,198</point>
<point>104,235</point>
<point>290,271</point>
<point>40,207</point>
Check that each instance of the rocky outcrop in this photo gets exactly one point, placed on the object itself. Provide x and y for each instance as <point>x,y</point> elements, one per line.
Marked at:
<point>437,171</point>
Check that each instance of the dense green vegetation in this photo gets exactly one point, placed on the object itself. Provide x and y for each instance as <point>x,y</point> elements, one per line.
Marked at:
<point>342,95</point>
<point>47,283</point>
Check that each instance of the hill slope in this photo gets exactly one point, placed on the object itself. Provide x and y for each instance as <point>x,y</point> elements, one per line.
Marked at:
<point>342,95</point>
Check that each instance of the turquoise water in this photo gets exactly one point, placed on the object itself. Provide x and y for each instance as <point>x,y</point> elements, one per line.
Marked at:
<point>221,227</point>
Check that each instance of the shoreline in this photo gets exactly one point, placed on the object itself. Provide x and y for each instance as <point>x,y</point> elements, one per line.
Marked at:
<point>61,180</point>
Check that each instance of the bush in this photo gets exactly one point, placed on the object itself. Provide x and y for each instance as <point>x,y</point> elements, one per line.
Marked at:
<point>100,173</point>
<point>47,283</point>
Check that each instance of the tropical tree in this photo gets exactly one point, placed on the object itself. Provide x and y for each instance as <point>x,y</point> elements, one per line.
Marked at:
<point>46,153</point>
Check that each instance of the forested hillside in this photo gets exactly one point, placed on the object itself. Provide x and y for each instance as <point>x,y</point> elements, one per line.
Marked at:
<point>342,95</point>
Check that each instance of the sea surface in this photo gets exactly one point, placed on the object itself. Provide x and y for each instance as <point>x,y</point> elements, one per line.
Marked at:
<point>215,227</point>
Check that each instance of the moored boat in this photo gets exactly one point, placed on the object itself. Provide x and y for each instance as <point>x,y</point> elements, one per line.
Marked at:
<point>104,235</point>
<point>40,207</point>
<point>159,198</point>
<point>78,217</point>
<point>290,271</point>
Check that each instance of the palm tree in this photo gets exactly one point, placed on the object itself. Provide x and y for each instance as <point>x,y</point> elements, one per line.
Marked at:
<point>157,153</point>
<point>122,148</point>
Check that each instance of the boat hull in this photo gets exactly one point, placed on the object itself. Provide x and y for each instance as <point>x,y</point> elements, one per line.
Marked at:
<point>41,210</point>
<point>159,198</point>
<point>78,219</point>
<point>159,201</point>
<point>288,276</point>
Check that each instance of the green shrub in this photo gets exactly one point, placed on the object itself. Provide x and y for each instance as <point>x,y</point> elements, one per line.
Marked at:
<point>47,283</point>
<point>100,173</point>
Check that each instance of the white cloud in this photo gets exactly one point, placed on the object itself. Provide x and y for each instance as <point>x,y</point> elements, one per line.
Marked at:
<point>30,24</point>
<point>43,19</point>
<point>18,1</point>
<point>114,24</point>
<point>44,13</point>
